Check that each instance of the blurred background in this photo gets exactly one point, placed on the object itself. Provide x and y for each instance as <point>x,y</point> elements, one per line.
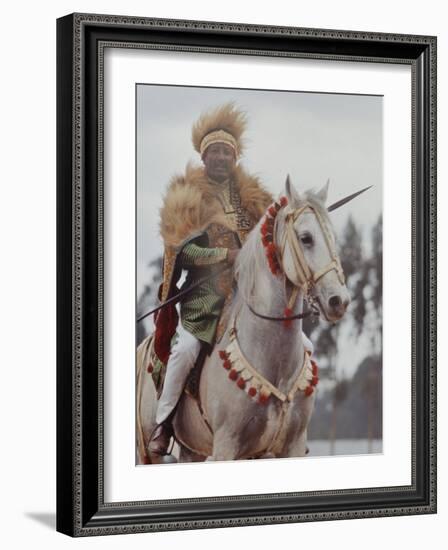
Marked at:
<point>312,137</point>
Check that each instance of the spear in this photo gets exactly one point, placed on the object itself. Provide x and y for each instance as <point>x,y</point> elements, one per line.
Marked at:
<point>186,291</point>
<point>347,199</point>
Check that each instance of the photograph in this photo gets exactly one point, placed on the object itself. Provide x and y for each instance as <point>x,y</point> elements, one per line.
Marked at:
<point>259,274</point>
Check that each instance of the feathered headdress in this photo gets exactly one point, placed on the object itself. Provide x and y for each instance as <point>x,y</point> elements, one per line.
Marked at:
<point>224,124</point>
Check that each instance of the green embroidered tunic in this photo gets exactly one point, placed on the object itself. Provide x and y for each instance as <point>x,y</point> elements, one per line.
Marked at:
<point>201,309</point>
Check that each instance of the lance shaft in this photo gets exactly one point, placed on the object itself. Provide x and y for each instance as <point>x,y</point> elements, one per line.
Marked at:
<point>174,299</point>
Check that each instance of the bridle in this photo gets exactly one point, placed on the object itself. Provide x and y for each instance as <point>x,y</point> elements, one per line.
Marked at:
<point>303,279</point>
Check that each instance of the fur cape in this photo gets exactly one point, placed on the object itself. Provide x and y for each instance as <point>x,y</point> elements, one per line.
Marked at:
<point>190,204</point>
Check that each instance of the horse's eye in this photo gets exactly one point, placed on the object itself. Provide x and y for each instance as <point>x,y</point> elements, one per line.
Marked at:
<point>306,240</point>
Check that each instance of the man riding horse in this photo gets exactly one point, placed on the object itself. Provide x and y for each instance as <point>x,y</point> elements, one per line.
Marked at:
<point>206,216</point>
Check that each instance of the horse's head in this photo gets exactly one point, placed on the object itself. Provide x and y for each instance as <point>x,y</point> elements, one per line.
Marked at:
<point>307,250</point>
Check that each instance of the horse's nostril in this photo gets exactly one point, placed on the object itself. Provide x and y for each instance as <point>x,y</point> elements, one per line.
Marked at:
<point>335,301</point>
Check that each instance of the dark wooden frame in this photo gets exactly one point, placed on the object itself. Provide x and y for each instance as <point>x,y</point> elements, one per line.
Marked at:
<point>81,510</point>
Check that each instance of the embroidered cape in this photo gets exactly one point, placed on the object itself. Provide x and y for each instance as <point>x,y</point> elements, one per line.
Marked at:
<point>191,205</point>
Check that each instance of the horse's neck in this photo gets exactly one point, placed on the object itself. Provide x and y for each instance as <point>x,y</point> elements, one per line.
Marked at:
<point>274,350</point>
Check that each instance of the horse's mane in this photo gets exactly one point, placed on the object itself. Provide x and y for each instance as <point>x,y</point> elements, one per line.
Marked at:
<point>251,258</point>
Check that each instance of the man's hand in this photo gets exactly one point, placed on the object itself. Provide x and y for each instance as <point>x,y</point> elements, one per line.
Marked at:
<point>232,253</point>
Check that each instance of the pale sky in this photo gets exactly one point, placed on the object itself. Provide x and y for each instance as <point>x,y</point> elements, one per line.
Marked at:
<point>311,136</point>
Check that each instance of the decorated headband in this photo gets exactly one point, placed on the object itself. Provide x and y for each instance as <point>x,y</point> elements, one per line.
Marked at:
<point>218,136</point>
<point>224,124</point>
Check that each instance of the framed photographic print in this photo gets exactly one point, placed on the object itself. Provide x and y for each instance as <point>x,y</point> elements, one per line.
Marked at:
<point>246,274</point>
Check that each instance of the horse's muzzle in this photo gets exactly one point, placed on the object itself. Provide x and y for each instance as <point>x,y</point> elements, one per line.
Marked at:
<point>337,306</point>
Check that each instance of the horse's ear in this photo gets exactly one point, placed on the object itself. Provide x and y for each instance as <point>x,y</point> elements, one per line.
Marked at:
<point>291,193</point>
<point>323,193</point>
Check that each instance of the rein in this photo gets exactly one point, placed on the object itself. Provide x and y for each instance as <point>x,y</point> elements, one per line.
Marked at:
<point>313,311</point>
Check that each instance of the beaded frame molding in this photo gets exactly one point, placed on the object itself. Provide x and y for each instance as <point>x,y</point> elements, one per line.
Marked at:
<point>81,39</point>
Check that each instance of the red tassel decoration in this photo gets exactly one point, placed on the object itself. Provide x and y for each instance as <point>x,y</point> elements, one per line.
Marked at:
<point>265,229</point>
<point>252,392</point>
<point>271,255</point>
<point>227,364</point>
<point>288,312</point>
<point>241,383</point>
<point>269,225</point>
<point>223,354</point>
<point>233,375</point>
<point>150,368</point>
<point>271,250</point>
<point>314,381</point>
<point>267,232</point>
<point>314,367</point>
<point>283,201</point>
<point>308,391</point>
<point>263,398</point>
<point>273,266</point>
<point>266,239</point>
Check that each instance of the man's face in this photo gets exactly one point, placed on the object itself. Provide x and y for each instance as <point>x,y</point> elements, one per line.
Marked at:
<point>219,160</point>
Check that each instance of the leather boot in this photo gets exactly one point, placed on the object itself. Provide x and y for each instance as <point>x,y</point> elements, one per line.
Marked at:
<point>160,439</point>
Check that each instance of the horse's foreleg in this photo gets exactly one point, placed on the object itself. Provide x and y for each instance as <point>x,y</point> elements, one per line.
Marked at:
<point>225,446</point>
<point>268,455</point>
<point>296,448</point>
<point>186,455</point>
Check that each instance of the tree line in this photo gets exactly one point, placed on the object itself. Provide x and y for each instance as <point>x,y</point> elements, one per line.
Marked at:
<point>349,353</point>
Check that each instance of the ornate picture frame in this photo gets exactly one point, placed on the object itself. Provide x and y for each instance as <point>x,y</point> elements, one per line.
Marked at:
<point>81,506</point>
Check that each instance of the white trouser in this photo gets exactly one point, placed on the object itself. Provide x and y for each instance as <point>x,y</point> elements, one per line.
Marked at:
<point>182,359</point>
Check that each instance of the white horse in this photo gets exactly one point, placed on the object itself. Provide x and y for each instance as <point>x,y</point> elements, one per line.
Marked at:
<point>257,386</point>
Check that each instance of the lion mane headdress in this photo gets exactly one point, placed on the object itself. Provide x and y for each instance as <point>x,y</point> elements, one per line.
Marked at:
<point>225,124</point>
